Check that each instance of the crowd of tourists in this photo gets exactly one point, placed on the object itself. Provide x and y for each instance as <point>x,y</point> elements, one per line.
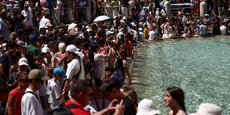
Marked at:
<point>84,68</point>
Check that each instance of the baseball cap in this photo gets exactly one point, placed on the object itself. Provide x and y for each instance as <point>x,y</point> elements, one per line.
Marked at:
<point>33,37</point>
<point>23,61</point>
<point>147,107</point>
<point>21,43</point>
<point>72,48</point>
<point>38,74</point>
<point>59,71</point>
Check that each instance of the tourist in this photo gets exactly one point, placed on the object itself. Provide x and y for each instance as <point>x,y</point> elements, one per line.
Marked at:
<point>56,97</point>
<point>147,107</point>
<point>31,104</point>
<point>202,29</point>
<point>5,65</point>
<point>223,29</point>
<point>98,101</point>
<point>208,109</point>
<point>81,93</point>
<point>174,99</point>
<point>75,69</point>
<point>15,96</point>
<point>112,91</point>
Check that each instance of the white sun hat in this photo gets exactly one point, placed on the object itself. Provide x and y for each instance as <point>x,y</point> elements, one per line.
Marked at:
<point>72,48</point>
<point>208,109</point>
<point>45,49</point>
<point>147,107</point>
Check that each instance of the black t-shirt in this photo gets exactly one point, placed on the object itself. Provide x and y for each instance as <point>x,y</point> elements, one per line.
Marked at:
<point>4,60</point>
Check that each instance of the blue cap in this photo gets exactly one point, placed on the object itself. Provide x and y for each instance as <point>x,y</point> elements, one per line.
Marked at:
<point>33,37</point>
<point>59,71</point>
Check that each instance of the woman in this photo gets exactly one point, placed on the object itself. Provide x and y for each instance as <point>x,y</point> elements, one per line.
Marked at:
<point>174,99</point>
<point>15,96</point>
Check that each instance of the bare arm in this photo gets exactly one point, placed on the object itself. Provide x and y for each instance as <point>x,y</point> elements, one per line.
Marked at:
<point>12,101</point>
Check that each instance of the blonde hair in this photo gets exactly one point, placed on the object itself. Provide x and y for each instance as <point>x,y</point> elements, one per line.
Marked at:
<point>61,46</point>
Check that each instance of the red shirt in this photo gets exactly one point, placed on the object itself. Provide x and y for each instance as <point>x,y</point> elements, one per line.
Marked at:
<point>79,110</point>
<point>18,94</point>
<point>129,47</point>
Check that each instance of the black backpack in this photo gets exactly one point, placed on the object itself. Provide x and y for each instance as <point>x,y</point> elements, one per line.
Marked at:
<point>64,110</point>
<point>75,77</point>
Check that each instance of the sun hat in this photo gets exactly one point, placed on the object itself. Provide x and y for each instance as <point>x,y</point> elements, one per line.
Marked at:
<point>59,71</point>
<point>23,61</point>
<point>147,107</point>
<point>72,26</point>
<point>208,109</point>
<point>45,49</point>
<point>72,48</point>
<point>140,29</point>
<point>109,33</point>
<point>38,74</point>
<point>206,15</point>
<point>21,43</point>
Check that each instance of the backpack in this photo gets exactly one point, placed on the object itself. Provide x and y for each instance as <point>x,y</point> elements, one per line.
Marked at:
<point>75,77</point>
<point>64,110</point>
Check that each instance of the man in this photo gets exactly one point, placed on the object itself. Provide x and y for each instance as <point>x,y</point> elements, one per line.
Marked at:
<point>4,30</point>
<point>28,15</point>
<point>81,93</point>
<point>31,104</point>
<point>112,91</point>
<point>5,64</point>
<point>202,29</point>
<point>54,87</point>
<point>75,68</point>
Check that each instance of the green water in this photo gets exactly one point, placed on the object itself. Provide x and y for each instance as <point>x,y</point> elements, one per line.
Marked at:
<point>201,67</point>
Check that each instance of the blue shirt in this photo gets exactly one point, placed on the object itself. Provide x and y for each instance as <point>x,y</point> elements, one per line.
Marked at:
<point>4,29</point>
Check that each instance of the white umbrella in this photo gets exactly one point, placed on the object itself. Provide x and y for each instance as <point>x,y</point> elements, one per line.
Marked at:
<point>101,18</point>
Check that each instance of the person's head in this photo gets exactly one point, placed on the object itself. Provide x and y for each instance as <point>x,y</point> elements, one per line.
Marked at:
<point>111,89</point>
<point>36,78</point>
<point>46,52</point>
<point>108,72</point>
<point>174,97</point>
<point>52,45</point>
<point>81,91</point>
<point>61,47</point>
<point>23,65</point>
<point>72,51</point>
<point>208,109</point>
<point>147,107</point>
<point>59,73</point>
<point>132,95</point>
<point>23,79</point>
<point>21,46</point>
<point>12,47</point>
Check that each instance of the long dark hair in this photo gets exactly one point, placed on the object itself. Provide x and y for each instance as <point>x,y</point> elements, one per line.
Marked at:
<point>178,95</point>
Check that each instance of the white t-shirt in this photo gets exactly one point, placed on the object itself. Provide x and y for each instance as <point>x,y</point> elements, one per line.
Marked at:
<point>54,91</point>
<point>28,15</point>
<point>73,68</point>
<point>43,22</point>
<point>30,104</point>
<point>99,66</point>
<point>223,29</point>
<point>152,35</point>
<point>203,29</point>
